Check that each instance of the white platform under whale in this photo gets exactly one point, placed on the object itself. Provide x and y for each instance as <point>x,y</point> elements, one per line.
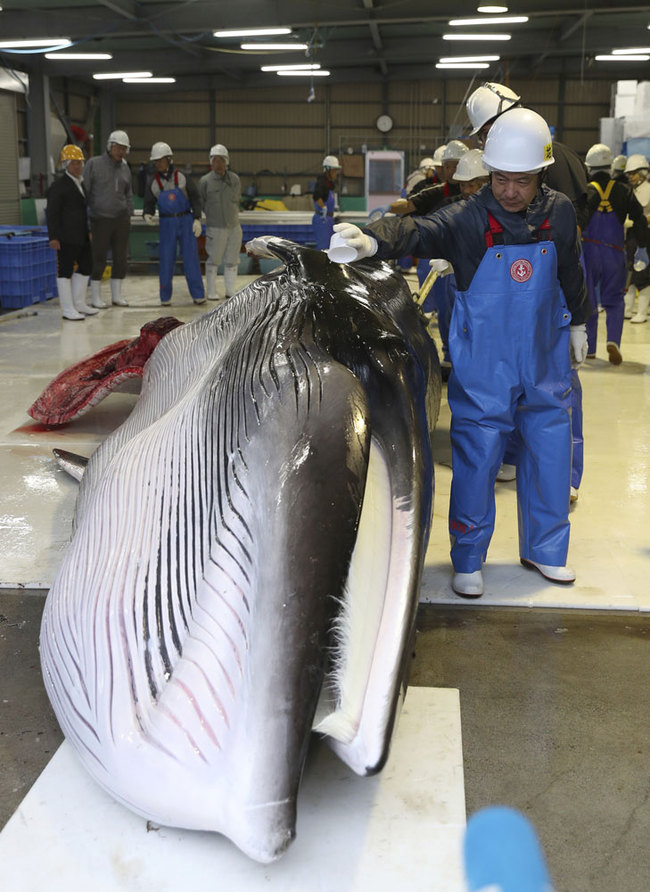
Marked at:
<point>402,829</point>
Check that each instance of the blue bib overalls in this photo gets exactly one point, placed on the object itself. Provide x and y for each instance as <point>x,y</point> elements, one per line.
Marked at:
<point>175,214</point>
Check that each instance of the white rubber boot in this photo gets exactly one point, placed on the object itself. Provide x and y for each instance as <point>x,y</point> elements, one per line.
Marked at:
<point>230,280</point>
<point>629,298</point>
<point>65,299</point>
<point>211,282</point>
<point>79,288</point>
<point>506,473</point>
<point>468,585</point>
<point>116,294</point>
<point>642,310</point>
<point>564,575</point>
<point>96,295</point>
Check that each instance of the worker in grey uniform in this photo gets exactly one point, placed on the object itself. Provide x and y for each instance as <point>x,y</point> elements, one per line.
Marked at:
<point>107,179</point>
<point>220,192</point>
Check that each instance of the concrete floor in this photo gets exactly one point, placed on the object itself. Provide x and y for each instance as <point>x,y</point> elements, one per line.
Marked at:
<point>553,702</point>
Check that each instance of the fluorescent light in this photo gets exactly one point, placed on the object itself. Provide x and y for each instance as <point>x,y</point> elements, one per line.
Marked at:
<point>321,73</point>
<point>273,46</point>
<point>476,36</point>
<point>637,51</point>
<point>74,56</point>
<point>44,41</point>
<point>149,80</point>
<point>496,20</point>
<point>622,58</point>
<point>490,9</point>
<point>253,32</point>
<point>307,67</point>
<point>469,58</point>
<point>111,76</point>
<point>462,65</point>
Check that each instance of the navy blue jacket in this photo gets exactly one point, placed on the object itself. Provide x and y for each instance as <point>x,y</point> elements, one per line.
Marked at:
<point>456,232</point>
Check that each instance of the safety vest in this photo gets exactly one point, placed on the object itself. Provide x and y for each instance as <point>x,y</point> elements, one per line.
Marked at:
<point>605,206</point>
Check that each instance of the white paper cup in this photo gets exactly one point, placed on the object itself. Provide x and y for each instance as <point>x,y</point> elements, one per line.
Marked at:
<point>339,251</point>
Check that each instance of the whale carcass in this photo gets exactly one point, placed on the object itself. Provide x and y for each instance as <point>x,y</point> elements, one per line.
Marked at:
<point>247,552</point>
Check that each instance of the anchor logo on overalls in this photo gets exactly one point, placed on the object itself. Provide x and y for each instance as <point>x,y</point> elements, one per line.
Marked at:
<point>521,270</point>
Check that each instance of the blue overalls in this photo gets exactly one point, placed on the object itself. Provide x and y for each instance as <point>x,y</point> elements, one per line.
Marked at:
<point>323,226</point>
<point>509,346</point>
<point>175,214</point>
<point>603,242</point>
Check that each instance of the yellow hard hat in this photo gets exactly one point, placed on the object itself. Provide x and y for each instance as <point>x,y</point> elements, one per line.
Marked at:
<point>71,153</point>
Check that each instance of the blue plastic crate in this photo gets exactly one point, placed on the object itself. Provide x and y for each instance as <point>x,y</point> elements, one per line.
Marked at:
<point>27,267</point>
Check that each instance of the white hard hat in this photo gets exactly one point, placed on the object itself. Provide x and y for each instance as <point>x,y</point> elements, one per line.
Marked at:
<point>332,162</point>
<point>426,164</point>
<point>454,150</point>
<point>618,163</point>
<point>519,141</point>
<point>489,101</point>
<point>636,162</point>
<point>437,155</point>
<point>219,151</point>
<point>470,166</point>
<point>160,150</point>
<point>118,137</point>
<point>599,155</point>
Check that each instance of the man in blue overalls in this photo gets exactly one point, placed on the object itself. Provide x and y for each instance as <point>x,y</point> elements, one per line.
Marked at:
<point>518,321</point>
<point>179,209</point>
<point>609,202</point>
<point>324,196</point>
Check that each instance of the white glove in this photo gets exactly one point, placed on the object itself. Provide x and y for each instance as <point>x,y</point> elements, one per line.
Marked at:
<point>442,267</point>
<point>149,219</point>
<point>578,342</point>
<point>197,229</point>
<point>363,244</point>
<point>259,246</point>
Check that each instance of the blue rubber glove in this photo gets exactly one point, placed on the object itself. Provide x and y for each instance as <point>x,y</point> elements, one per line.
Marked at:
<point>641,259</point>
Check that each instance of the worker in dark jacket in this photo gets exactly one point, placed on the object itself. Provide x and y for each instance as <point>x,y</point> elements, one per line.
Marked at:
<point>325,202</point>
<point>69,235</point>
<point>609,202</point>
<point>518,323</point>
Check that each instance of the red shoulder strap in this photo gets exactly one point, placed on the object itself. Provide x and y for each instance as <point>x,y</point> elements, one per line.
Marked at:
<point>445,189</point>
<point>159,181</point>
<point>494,235</point>
<point>544,232</point>
<point>176,178</point>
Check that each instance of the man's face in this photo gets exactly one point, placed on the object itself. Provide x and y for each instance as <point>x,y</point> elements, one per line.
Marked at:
<point>514,191</point>
<point>636,177</point>
<point>161,164</point>
<point>448,170</point>
<point>332,174</point>
<point>471,186</point>
<point>481,136</point>
<point>219,165</point>
<point>75,167</point>
<point>117,152</point>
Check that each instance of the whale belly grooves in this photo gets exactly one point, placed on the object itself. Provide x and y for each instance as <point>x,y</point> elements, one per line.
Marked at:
<point>251,536</point>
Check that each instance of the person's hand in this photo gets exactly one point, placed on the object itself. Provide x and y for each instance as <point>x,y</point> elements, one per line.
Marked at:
<point>402,207</point>
<point>641,259</point>
<point>323,211</point>
<point>55,244</point>
<point>197,229</point>
<point>149,219</point>
<point>363,244</point>
<point>578,343</point>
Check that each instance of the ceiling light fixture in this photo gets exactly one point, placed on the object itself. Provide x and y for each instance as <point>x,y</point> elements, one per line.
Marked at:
<point>469,58</point>
<point>492,9</point>
<point>320,73</point>
<point>253,32</point>
<point>273,46</point>
<point>640,50</point>
<point>462,65</point>
<point>75,56</point>
<point>622,58</point>
<point>110,76</point>
<point>476,36</point>
<point>48,42</point>
<point>314,67</point>
<point>149,80</point>
<point>494,20</point>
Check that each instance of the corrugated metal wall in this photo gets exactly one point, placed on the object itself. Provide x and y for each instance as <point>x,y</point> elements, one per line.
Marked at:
<point>277,138</point>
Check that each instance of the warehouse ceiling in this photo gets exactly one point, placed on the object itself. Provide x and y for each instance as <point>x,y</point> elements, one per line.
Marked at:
<point>356,40</point>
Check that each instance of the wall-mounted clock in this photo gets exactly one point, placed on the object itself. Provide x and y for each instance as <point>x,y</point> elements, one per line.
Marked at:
<point>384,123</point>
